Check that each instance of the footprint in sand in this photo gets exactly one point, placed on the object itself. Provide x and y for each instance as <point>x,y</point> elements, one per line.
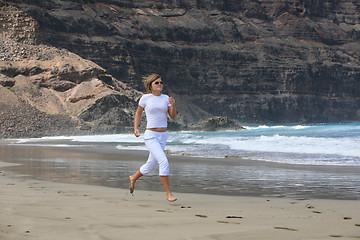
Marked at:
<point>286,228</point>
<point>309,206</point>
<point>162,210</point>
<point>144,205</point>
<point>201,216</point>
<point>312,207</point>
<point>317,212</point>
<point>228,222</point>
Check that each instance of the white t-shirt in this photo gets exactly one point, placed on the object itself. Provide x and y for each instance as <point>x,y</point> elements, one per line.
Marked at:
<point>156,108</point>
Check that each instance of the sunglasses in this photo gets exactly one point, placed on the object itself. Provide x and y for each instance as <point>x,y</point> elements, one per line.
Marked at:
<point>158,83</point>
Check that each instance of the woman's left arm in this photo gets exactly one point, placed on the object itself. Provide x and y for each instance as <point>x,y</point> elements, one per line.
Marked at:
<point>172,109</point>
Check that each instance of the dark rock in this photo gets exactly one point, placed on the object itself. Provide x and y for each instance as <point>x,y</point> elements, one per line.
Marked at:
<point>112,110</point>
<point>217,124</point>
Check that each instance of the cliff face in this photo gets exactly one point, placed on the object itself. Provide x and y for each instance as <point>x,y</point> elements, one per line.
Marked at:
<point>50,91</point>
<point>253,61</point>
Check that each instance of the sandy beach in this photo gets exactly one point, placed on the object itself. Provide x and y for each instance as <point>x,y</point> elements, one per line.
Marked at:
<point>32,209</point>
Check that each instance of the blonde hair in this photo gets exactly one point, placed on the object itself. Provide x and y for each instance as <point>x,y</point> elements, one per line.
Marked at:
<point>148,81</point>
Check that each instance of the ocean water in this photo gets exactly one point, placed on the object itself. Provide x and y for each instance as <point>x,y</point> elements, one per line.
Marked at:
<point>317,144</point>
<point>297,161</point>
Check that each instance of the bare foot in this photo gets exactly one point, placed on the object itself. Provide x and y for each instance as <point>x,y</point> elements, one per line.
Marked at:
<point>170,198</point>
<point>132,184</point>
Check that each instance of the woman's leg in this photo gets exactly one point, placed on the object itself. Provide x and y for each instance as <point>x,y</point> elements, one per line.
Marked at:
<point>165,180</point>
<point>157,154</point>
<point>156,148</point>
<point>150,164</point>
<point>133,179</point>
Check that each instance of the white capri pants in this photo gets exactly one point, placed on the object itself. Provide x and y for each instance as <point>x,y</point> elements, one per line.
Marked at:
<point>155,142</point>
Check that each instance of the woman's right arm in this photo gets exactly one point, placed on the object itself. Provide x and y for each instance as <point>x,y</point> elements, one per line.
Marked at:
<point>137,120</point>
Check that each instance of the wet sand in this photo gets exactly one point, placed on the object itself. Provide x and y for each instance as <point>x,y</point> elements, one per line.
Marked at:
<point>107,166</point>
<point>33,209</point>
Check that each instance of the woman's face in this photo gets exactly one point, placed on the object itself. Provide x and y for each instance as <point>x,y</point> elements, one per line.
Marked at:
<point>157,85</point>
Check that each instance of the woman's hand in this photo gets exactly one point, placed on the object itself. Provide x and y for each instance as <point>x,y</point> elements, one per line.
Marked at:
<point>137,120</point>
<point>136,133</point>
<point>172,109</point>
<point>172,101</point>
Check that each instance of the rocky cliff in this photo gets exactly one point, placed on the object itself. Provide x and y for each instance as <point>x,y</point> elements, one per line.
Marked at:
<point>51,91</point>
<point>253,61</point>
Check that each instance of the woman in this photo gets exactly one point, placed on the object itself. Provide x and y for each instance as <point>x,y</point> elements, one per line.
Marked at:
<point>156,106</point>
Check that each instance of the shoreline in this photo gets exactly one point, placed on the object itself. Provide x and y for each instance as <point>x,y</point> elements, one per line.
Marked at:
<point>32,209</point>
<point>141,155</point>
<point>108,166</point>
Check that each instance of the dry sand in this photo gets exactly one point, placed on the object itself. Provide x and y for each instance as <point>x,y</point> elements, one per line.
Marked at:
<point>31,209</point>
